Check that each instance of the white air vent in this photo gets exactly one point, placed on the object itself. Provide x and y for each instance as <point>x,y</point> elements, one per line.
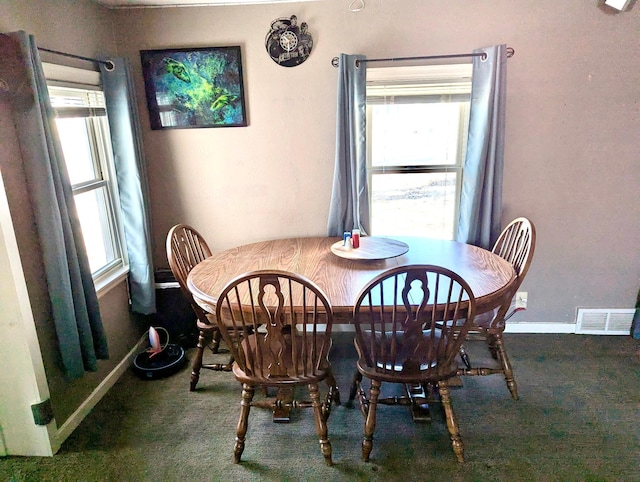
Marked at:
<point>604,321</point>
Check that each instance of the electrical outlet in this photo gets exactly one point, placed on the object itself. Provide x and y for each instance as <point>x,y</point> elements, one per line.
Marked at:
<point>521,299</point>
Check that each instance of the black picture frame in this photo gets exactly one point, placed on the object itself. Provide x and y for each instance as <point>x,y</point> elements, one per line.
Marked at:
<point>194,87</point>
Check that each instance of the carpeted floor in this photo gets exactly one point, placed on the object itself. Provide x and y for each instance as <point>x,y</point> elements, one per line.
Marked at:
<point>578,418</point>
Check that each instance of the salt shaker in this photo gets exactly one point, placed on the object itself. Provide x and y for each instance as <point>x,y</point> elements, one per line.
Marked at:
<point>346,242</point>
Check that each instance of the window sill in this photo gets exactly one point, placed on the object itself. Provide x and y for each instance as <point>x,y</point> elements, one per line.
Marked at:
<point>108,281</point>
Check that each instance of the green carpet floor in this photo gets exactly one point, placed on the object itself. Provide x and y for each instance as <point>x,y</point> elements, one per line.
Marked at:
<point>578,418</point>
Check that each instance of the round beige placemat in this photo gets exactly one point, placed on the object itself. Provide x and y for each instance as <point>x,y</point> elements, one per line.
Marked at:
<point>371,247</point>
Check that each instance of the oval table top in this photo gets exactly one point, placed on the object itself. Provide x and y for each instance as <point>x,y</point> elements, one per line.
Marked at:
<point>489,276</point>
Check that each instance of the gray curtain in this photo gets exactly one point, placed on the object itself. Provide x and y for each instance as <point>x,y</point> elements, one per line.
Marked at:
<point>349,207</point>
<point>481,201</point>
<point>74,303</point>
<point>132,181</point>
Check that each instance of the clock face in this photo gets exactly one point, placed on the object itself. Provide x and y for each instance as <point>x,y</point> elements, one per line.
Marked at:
<point>287,43</point>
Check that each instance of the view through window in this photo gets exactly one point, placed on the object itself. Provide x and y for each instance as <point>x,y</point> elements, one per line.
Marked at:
<point>417,123</point>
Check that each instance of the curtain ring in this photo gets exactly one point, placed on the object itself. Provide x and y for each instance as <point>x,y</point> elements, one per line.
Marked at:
<point>109,66</point>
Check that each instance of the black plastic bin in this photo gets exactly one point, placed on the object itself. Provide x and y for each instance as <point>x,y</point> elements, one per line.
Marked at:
<point>174,313</point>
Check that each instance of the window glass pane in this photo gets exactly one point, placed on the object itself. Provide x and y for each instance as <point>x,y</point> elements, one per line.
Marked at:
<point>412,204</point>
<point>415,134</point>
<point>93,212</point>
<point>77,149</point>
<point>83,130</point>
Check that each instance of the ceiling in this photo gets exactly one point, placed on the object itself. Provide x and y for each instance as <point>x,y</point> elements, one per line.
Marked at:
<point>184,3</point>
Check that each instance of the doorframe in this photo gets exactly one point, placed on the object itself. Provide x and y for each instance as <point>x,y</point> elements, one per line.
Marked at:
<point>23,381</point>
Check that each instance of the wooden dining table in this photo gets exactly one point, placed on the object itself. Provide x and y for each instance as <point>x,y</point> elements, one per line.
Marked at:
<point>341,272</point>
<point>341,276</point>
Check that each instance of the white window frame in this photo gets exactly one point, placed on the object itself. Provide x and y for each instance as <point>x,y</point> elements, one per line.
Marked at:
<point>415,82</point>
<point>117,270</point>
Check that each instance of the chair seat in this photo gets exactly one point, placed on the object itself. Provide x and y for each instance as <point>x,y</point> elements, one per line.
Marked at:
<point>212,323</point>
<point>210,326</point>
<point>411,362</point>
<point>484,320</point>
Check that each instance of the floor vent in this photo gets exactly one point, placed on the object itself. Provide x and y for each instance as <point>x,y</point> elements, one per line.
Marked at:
<point>604,321</point>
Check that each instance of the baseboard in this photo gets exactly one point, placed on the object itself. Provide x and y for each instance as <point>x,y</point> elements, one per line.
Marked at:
<point>100,391</point>
<point>512,327</point>
<point>343,327</point>
<point>531,327</point>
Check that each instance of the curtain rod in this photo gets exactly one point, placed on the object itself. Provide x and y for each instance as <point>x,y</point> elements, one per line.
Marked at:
<point>107,63</point>
<point>510,52</point>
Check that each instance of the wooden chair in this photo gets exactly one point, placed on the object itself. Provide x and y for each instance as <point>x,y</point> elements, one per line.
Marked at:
<point>288,322</point>
<point>406,333</point>
<point>185,249</point>
<point>515,244</point>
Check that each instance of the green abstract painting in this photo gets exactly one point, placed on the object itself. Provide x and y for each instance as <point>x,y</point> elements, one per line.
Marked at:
<point>200,87</point>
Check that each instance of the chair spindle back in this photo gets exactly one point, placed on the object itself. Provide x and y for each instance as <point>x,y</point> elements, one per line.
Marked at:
<point>290,319</point>
<point>407,318</point>
<point>185,249</point>
<point>516,244</point>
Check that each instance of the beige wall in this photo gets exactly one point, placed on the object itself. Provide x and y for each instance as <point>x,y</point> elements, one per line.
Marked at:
<point>572,139</point>
<point>82,28</point>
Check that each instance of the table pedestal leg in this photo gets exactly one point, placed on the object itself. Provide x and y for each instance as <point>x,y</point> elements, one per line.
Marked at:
<point>284,399</point>
<point>419,403</point>
<point>455,382</point>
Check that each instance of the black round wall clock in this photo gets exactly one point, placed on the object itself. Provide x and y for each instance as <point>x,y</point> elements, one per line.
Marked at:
<point>287,43</point>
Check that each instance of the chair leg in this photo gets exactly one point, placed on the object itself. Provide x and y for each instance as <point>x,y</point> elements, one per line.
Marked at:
<point>243,422</point>
<point>370,424</point>
<point>464,356</point>
<point>357,379</point>
<point>506,366</point>
<point>215,343</point>
<point>492,345</point>
<point>197,361</point>
<point>452,423</point>
<point>321,423</point>
<point>333,395</point>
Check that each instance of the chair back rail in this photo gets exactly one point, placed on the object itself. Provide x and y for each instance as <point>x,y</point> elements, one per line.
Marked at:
<point>516,244</point>
<point>185,249</point>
